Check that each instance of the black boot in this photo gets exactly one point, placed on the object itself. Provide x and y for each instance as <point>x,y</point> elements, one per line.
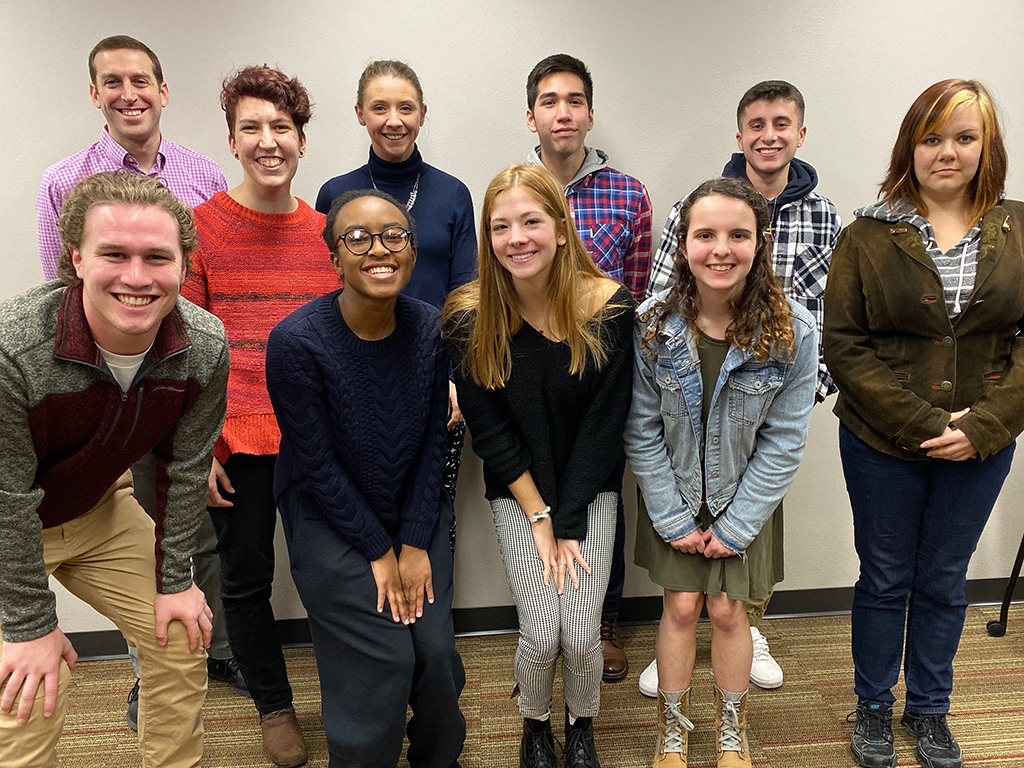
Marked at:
<point>537,749</point>
<point>579,743</point>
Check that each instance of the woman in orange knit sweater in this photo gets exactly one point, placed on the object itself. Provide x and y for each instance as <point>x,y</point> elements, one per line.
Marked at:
<point>261,256</point>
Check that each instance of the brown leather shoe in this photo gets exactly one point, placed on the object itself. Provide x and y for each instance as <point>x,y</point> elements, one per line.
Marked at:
<point>282,739</point>
<point>616,665</point>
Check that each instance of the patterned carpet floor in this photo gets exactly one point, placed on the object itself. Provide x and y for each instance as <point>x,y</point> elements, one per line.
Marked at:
<point>803,724</point>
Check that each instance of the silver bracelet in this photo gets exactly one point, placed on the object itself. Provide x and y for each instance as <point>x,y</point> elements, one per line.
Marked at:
<point>536,517</point>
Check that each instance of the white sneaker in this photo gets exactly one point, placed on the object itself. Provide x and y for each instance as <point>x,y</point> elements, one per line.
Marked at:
<point>649,680</point>
<point>765,672</point>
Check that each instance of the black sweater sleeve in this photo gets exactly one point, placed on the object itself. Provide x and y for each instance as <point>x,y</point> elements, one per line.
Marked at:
<point>598,445</point>
<point>496,436</point>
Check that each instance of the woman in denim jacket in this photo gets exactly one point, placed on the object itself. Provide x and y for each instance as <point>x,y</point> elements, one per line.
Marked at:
<point>723,384</point>
<point>923,312</point>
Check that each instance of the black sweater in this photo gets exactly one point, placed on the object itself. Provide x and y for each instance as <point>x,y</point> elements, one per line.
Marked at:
<point>565,429</point>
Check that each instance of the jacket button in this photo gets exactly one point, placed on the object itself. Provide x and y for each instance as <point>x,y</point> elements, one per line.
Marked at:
<point>946,386</point>
<point>948,341</point>
<point>714,441</point>
<point>714,474</point>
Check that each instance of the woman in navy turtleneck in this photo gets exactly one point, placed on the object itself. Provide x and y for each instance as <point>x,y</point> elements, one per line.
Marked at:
<point>389,102</point>
<point>390,105</point>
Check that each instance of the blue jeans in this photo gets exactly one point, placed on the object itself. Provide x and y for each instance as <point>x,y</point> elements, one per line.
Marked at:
<point>916,525</point>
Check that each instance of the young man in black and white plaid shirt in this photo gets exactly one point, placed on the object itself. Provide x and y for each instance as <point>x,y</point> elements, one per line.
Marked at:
<point>805,227</point>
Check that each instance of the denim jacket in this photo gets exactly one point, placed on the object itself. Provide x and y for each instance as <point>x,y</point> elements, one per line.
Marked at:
<point>756,431</point>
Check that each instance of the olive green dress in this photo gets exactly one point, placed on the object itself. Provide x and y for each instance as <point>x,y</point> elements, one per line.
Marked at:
<point>750,577</point>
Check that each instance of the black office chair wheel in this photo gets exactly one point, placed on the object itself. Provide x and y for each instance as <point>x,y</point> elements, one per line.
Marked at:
<point>996,628</point>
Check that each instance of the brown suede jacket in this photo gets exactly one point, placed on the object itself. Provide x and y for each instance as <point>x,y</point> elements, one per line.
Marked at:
<point>901,366</point>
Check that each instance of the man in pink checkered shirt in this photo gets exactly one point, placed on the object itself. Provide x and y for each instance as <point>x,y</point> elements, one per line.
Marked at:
<point>127,85</point>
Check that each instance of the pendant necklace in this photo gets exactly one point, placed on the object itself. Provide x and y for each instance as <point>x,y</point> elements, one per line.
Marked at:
<point>412,195</point>
<point>771,216</point>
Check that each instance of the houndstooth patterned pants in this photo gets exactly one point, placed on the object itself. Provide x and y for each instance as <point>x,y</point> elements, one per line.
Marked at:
<point>550,623</point>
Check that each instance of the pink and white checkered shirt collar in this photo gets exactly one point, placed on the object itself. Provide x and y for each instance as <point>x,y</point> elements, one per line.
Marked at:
<point>120,156</point>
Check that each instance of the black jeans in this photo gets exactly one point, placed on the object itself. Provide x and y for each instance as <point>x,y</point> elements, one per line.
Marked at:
<point>245,543</point>
<point>371,668</point>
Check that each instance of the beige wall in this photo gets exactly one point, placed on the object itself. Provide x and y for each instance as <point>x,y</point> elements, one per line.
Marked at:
<point>668,76</point>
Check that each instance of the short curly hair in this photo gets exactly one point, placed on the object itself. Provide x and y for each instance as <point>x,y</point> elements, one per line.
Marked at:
<point>125,188</point>
<point>273,85</point>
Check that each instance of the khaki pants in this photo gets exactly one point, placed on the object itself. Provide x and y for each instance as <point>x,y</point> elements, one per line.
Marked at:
<point>756,609</point>
<point>106,558</point>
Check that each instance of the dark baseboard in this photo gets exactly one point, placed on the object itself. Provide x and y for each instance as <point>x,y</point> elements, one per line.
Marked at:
<point>632,610</point>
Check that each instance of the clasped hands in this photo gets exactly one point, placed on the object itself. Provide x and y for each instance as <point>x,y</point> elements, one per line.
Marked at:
<point>403,581</point>
<point>558,556</point>
<point>703,542</point>
<point>952,444</point>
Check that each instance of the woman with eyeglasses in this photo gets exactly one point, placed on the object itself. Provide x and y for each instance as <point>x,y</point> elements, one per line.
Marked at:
<point>389,103</point>
<point>260,257</point>
<point>359,384</point>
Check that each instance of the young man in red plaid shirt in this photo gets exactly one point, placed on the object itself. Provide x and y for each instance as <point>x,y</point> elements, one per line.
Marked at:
<point>612,213</point>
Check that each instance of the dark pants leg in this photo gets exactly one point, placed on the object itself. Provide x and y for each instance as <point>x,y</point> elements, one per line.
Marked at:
<point>370,667</point>
<point>452,462</point>
<point>245,543</point>
<point>617,579</point>
<point>206,563</point>
<point>916,525</point>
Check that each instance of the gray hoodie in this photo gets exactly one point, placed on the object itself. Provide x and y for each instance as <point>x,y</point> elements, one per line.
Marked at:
<point>595,160</point>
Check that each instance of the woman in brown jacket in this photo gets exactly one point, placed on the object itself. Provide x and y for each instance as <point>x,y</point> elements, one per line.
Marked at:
<point>923,309</point>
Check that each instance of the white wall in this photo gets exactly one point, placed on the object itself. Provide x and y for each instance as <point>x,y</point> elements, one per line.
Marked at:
<point>668,76</point>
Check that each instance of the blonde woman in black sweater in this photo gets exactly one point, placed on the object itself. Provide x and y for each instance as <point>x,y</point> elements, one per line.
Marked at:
<point>541,346</point>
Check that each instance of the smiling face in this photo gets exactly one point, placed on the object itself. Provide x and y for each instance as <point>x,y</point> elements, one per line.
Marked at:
<point>721,244</point>
<point>393,115</point>
<point>267,143</point>
<point>561,116</point>
<point>946,159</point>
<point>128,94</point>
<point>377,274</point>
<point>131,267</point>
<point>769,136</point>
<point>524,237</point>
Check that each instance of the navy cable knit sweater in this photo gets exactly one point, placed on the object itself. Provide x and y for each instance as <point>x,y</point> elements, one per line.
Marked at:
<point>362,422</point>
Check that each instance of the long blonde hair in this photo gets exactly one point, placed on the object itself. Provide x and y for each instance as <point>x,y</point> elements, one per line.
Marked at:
<point>484,314</point>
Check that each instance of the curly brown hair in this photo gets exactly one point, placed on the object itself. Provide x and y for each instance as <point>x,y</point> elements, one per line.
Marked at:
<point>128,189</point>
<point>273,85</point>
<point>761,314</point>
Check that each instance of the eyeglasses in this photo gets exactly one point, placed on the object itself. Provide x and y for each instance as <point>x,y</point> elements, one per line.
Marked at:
<point>359,241</point>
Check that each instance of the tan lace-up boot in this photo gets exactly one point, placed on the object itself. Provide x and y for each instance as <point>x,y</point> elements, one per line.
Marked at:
<point>674,728</point>
<point>733,751</point>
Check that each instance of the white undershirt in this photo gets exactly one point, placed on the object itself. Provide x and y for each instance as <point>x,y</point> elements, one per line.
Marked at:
<point>123,367</point>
